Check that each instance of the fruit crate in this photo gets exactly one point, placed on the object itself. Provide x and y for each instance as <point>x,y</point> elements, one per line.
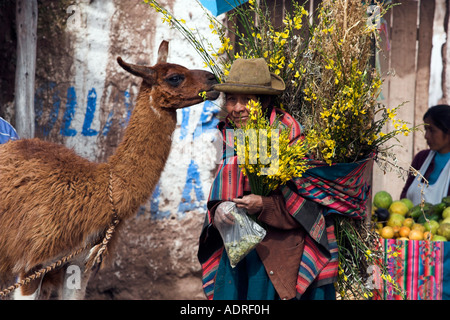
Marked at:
<point>420,269</point>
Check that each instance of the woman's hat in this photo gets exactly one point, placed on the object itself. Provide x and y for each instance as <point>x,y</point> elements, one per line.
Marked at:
<point>251,76</point>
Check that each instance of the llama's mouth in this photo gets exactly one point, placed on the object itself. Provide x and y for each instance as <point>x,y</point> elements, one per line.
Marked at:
<point>211,94</point>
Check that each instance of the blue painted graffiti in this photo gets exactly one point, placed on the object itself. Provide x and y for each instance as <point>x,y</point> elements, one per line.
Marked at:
<point>71,105</point>
<point>208,119</point>
<point>66,129</point>
<point>108,123</point>
<point>193,182</point>
<point>154,205</point>
<point>184,123</point>
<point>90,111</point>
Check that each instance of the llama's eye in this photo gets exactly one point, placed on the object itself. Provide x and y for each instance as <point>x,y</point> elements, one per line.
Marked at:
<point>175,80</point>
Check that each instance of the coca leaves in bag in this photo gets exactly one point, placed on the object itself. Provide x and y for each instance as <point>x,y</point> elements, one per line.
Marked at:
<point>242,236</point>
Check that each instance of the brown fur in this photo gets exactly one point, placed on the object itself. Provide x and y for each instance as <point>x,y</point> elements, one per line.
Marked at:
<point>53,201</point>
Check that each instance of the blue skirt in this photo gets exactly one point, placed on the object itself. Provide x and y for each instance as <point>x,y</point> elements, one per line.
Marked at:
<point>249,281</point>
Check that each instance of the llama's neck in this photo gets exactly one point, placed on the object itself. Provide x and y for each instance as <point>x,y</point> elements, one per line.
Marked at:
<point>140,158</point>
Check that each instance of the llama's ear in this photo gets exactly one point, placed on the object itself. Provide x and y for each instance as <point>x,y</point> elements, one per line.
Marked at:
<point>163,51</point>
<point>140,71</point>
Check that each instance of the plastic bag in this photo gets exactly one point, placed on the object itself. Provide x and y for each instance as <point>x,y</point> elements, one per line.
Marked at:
<point>241,237</point>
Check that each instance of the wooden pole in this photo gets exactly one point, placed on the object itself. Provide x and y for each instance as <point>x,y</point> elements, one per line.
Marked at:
<point>446,58</point>
<point>427,11</point>
<point>26,25</point>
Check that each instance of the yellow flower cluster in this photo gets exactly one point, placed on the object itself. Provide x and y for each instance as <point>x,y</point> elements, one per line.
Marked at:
<point>266,153</point>
<point>340,93</point>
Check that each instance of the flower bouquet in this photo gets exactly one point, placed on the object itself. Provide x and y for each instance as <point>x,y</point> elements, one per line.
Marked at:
<point>266,154</point>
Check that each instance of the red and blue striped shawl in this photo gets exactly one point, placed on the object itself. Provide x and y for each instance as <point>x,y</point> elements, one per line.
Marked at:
<point>321,190</point>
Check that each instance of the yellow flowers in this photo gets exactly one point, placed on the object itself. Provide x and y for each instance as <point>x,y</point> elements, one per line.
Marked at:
<point>226,46</point>
<point>391,115</point>
<point>265,152</point>
<point>342,88</point>
<point>256,35</point>
<point>167,19</point>
<point>329,30</point>
<point>203,95</point>
<point>297,21</point>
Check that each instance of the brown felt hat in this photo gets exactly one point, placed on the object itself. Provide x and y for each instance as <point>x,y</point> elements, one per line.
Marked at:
<point>251,76</point>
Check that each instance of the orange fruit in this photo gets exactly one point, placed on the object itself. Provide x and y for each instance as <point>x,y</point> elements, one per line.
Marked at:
<point>387,232</point>
<point>415,235</point>
<point>396,230</point>
<point>404,231</point>
<point>427,235</point>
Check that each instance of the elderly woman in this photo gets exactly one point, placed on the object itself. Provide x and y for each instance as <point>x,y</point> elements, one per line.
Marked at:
<point>272,270</point>
<point>433,163</point>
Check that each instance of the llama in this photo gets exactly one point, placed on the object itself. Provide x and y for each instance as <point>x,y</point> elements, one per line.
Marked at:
<point>53,201</point>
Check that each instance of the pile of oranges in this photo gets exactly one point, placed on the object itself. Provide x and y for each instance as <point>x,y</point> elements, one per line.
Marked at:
<point>415,232</point>
<point>401,220</point>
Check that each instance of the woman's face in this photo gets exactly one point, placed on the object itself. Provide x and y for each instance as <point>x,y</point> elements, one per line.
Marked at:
<point>235,105</point>
<point>436,139</point>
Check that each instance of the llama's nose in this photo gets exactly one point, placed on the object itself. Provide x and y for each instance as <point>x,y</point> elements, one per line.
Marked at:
<point>213,81</point>
<point>211,78</point>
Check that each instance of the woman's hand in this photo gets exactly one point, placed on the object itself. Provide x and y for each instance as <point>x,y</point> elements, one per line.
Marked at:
<point>252,202</point>
<point>222,214</point>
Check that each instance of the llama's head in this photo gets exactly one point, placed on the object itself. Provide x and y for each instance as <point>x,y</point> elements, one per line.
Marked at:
<point>172,85</point>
